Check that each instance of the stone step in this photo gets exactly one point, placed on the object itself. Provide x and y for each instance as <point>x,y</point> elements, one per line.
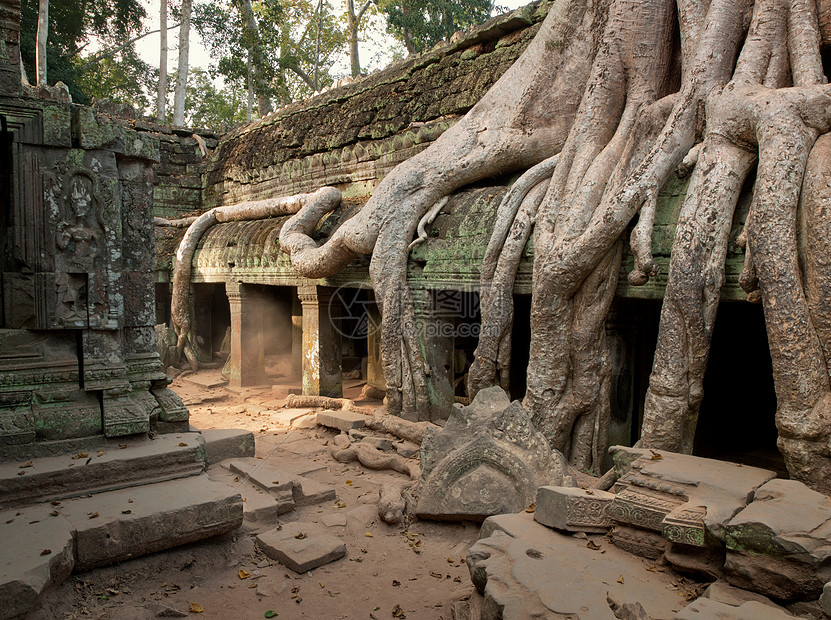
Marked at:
<point>119,463</point>
<point>227,443</point>
<point>274,479</point>
<point>258,504</point>
<point>44,543</point>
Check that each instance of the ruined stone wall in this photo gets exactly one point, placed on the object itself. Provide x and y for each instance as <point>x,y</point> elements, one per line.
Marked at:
<point>77,311</point>
<point>353,135</point>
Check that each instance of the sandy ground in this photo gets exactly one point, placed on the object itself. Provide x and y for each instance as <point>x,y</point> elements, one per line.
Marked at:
<point>413,571</point>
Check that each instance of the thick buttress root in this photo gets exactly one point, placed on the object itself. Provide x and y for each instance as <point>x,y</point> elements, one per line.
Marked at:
<point>325,199</point>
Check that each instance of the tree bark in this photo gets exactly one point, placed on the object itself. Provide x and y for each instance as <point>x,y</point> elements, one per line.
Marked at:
<point>182,70</point>
<point>161,93</point>
<point>41,36</point>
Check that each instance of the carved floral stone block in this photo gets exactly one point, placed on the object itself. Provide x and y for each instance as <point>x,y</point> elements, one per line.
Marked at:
<point>489,459</point>
<point>573,509</point>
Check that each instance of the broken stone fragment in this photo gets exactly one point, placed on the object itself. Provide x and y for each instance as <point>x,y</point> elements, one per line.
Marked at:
<point>573,510</point>
<point>301,546</point>
<point>391,505</point>
<point>778,545</point>
<point>341,420</point>
<point>489,459</point>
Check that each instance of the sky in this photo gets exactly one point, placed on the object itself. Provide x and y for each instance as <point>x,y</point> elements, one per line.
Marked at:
<point>373,56</point>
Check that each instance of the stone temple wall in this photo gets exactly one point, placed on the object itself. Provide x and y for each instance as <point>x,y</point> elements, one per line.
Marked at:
<point>77,348</point>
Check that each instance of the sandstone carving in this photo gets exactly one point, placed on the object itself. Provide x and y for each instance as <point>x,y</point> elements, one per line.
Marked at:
<point>487,460</point>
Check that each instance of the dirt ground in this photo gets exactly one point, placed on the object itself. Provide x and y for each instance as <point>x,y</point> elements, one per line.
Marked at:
<point>415,571</point>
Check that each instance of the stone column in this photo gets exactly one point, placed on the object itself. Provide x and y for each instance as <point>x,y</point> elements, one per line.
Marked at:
<point>296,334</point>
<point>201,333</point>
<point>247,359</point>
<point>321,344</point>
<point>436,331</point>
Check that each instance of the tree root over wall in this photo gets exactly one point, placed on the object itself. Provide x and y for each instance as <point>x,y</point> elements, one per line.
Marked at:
<point>608,101</point>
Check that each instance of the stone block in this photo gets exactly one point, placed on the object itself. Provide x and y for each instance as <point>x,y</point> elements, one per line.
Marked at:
<point>573,509</point>
<point>337,519</point>
<point>825,599</point>
<point>301,546</point>
<point>406,448</point>
<point>36,553</point>
<point>341,420</point>
<point>778,545</point>
<point>380,443</point>
<point>723,592</point>
<point>258,505</point>
<point>228,443</point>
<point>118,525</point>
<point>277,480</point>
<point>714,610</point>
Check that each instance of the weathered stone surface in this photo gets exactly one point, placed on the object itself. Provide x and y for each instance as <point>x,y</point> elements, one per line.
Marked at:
<point>141,460</point>
<point>149,518</point>
<point>779,544</point>
<point>36,552</point>
<point>723,592</point>
<point>684,497</point>
<point>277,481</point>
<point>825,599</point>
<point>301,546</point>
<point>380,443</point>
<point>406,448</point>
<point>487,460</point>
<point>231,443</point>
<point>337,519</point>
<point>540,573</point>
<point>258,505</point>
<point>391,504</point>
<point>713,610</point>
<point>644,543</point>
<point>573,509</point>
<point>341,420</point>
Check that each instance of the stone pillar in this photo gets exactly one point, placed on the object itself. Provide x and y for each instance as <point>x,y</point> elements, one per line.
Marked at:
<point>321,344</point>
<point>374,367</point>
<point>296,335</point>
<point>247,359</point>
<point>436,333</point>
<point>201,310</point>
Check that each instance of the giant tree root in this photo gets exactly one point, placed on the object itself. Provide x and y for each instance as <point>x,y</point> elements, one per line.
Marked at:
<point>403,429</point>
<point>300,401</point>
<point>369,456</point>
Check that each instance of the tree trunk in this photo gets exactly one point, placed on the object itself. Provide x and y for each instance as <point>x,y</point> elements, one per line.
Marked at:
<point>182,71</point>
<point>257,58</point>
<point>352,35</point>
<point>161,93</point>
<point>42,35</point>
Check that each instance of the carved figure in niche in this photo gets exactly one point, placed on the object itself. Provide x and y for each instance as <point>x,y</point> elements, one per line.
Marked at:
<point>80,235</point>
<point>72,299</point>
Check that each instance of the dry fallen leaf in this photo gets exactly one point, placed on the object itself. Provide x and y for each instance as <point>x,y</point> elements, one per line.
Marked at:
<point>100,453</point>
<point>80,455</point>
<point>196,608</point>
<point>243,574</point>
<point>397,612</point>
<point>436,575</point>
<point>26,464</point>
<point>300,536</point>
<point>368,534</point>
<point>93,515</point>
<point>620,579</point>
<point>532,507</point>
<point>21,473</point>
<point>396,583</point>
<point>592,545</point>
<point>126,512</point>
<point>182,444</point>
<point>46,552</point>
<point>348,482</point>
<point>656,456</point>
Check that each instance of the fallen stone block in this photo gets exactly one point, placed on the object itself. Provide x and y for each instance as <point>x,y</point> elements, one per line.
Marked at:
<point>118,525</point>
<point>337,519</point>
<point>258,504</point>
<point>542,573</point>
<point>301,546</point>
<point>778,545</point>
<point>228,443</point>
<point>277,481</point>
<point>380,443</point>
<point>825,599</point>
<point>341,420</point>
<point>702,608</point>
<point>723,592</point>
<point>391,504</point>
<point>572,509</point>
<point>487,460</point>
<point>406,449</point>
<point>209,381</point>
<point>36,552</point>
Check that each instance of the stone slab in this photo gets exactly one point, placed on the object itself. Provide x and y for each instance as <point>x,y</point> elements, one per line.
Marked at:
<point>778,545</point>
<point>380,443</point>
<point>723,592</point>
<point>573,509</point>
<point>149,518</point>
<point>209,381</point>
<point>702,608</point>
<point>341,420</point>
<point>140,460</point>
<point>258,504</point>
<point>337,519</point>
<point>541,573</point>
<point>406,448</point>
<point>36,552</point>
<point>291,418</point>
<point>228,443</point>
<point>276,480</point>
<point>301,546</point>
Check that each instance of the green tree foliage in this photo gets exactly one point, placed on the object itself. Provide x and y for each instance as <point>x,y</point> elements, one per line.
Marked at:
<point>420,24</point>
<point>71,25</point>
<point>209,107</point>
<point>283,50</point>
<point>124,78</point>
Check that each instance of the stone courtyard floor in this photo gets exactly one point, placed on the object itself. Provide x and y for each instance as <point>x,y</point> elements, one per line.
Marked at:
<point>415,570</point>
